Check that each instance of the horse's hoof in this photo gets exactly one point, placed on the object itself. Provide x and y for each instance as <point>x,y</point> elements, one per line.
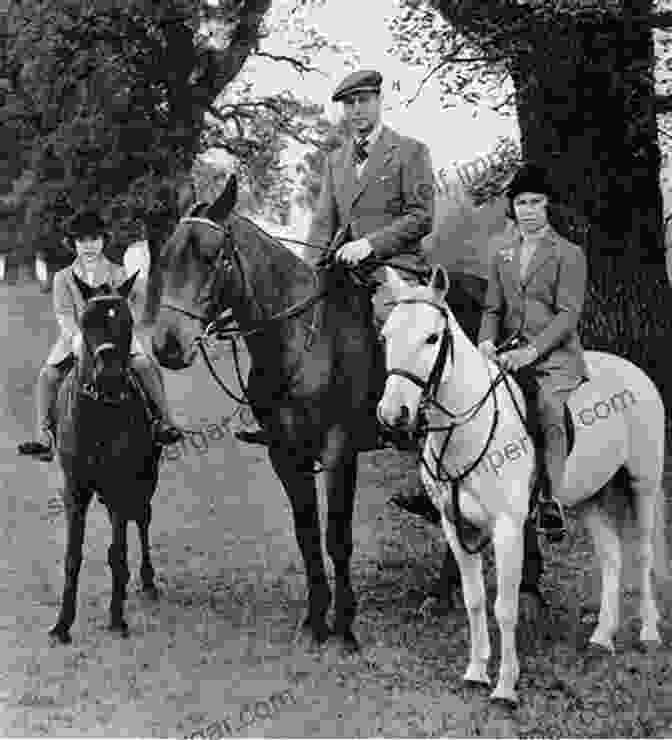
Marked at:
<point>506,699</point>
<point>59,635</point>
<point>649,647</point>
<point>151,592</point>
<point>347,643</point>
<point>310,638</point>
<point>476,676</point>
<point>595,655</point>
<point>121,627</point>
<point>472,684</point>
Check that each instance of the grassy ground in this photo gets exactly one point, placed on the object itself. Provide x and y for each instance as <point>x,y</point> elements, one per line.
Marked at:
<point>218,646</point>
<point>565,691</point>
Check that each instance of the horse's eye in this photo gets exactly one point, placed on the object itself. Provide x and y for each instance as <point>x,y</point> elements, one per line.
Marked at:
<point>433,338</point>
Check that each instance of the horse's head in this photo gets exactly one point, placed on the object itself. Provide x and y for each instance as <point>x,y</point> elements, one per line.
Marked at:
<point>107,332</point>
<point>195,264</point>
<point>418,346</point>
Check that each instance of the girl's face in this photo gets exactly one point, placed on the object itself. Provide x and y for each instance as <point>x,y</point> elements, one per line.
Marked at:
<point>531,211</point>
<point>89,248</point>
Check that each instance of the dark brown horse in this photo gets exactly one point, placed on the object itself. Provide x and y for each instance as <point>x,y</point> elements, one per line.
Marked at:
<point>316,372</point>
<point>106,446</point>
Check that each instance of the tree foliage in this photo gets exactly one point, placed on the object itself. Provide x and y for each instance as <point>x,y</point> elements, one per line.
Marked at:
<point>587,81</point>
<point>111,101</point>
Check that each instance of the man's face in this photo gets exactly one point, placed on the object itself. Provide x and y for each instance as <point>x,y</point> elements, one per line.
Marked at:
<point>89,248</point>
<point>362,111</point>
<point>530,210</point>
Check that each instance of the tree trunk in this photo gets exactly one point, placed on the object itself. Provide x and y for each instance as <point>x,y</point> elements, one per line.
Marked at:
<point>586,109</point>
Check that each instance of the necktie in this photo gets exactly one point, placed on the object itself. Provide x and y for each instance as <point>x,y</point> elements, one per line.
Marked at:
<point>361,151</point>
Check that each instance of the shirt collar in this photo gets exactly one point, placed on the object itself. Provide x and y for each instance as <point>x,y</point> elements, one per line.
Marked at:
<point>372,137</point>
<point>537,238</point>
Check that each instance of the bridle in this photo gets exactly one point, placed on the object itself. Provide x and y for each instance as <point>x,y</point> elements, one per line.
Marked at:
<point>91,389</point>
<point>220,263</point>
<point>218,322</point>
<point>429,388</point>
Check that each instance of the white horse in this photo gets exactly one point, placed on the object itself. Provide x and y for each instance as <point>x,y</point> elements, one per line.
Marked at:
<point>477,438</point>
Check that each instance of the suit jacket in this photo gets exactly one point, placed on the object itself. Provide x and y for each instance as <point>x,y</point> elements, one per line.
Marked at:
<point>545,305</point>
<point>391,203</point>
<point>69,303</point>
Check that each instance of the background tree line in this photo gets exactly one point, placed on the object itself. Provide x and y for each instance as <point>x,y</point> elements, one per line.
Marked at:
<point>112,102</point>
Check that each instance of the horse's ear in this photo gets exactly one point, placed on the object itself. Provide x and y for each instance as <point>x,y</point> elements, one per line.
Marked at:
<point>86,290</point>
<point>221,208</point>
<point>126,287</point>
<point>395,281</point>
<point>440,282</point>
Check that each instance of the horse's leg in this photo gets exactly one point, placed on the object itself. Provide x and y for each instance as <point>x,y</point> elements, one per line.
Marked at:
<point>508,541</point>
<point>146,568</point>
<point>341,481</point>
<point>607,543</point>
<point>473,588</point>
<point>645,501</point>
<point>449,579</point>
<point>117,558</point>
<point>76,503</point>
<point>302,494</point>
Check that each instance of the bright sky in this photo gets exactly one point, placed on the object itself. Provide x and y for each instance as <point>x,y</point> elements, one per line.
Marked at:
<point>454,135</point>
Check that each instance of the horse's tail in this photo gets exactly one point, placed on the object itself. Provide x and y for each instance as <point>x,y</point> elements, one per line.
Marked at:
<point>661,559</point>
<point>621,507</point>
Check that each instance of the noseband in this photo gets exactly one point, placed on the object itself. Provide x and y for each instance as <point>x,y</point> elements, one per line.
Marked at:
<point>431,385</point>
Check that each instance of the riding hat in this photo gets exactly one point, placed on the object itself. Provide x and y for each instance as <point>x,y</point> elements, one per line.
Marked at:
<point>530,178</point>
<point>87,222</point>
<point>364,80</point>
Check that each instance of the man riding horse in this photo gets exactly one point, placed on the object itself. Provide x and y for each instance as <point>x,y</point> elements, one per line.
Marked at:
<point>379,185</point>
<point>87,229</point>
<point>535,294</point>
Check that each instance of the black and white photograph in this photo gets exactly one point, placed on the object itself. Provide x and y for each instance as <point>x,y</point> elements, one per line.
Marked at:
<point>335,383</point>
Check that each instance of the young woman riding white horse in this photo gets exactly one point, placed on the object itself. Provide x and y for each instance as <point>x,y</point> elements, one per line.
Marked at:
<point>478,464</point>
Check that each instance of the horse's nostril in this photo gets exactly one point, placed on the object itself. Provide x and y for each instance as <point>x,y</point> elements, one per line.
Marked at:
<point>404,414</point>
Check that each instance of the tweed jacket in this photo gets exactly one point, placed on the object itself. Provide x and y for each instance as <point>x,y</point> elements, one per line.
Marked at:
<point>545,305</point>
<point>391,204</point>
<point>69,303</point>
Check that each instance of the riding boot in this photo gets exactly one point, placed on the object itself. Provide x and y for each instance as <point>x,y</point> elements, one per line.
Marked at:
<point>551,518</point>
<point>46,393</point>
<point>167,431</point>
<point>417,502</point>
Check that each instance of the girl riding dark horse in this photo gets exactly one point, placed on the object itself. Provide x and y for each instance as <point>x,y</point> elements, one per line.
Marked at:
<point>316,372</point>
<point>106,446</point>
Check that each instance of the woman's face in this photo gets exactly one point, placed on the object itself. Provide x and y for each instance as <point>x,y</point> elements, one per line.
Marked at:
<point>89,248</point>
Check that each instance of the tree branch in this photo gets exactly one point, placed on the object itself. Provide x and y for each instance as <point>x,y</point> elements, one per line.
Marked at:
<point>300,66</point>
<point>228,62</point>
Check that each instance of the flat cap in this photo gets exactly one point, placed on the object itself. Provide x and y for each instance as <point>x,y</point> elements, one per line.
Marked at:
<point>364,80</point>
<point>86,222</point>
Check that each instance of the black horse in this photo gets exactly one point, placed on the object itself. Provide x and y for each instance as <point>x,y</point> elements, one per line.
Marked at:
<point>316,372</point>
<point>105,445</point>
